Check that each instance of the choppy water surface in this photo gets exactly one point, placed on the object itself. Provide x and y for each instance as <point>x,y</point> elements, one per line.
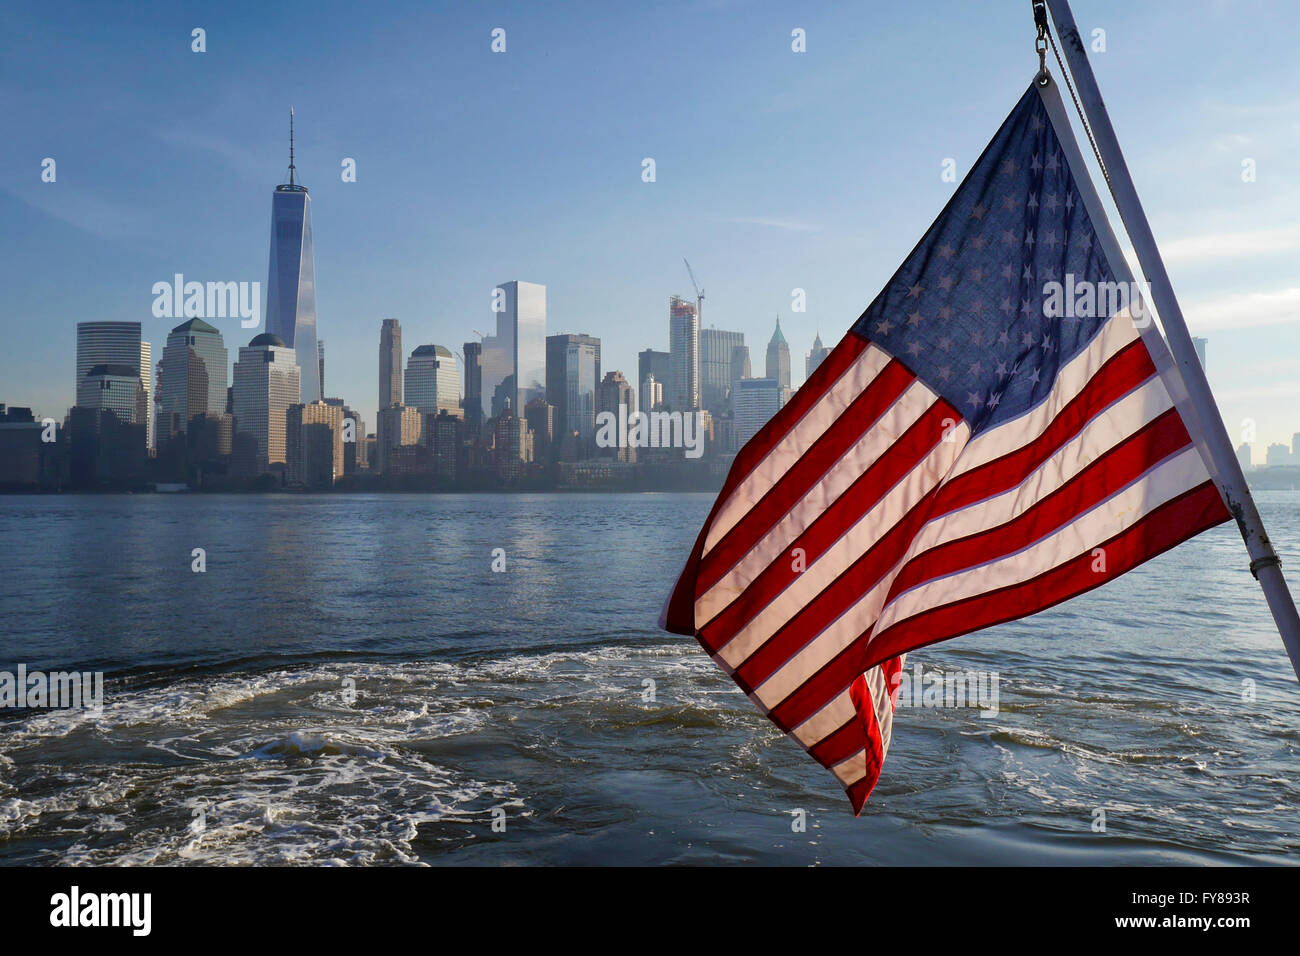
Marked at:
<point>350,682</point>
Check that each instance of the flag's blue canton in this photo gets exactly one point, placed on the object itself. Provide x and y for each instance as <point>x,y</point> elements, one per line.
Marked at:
<point>965,310</point>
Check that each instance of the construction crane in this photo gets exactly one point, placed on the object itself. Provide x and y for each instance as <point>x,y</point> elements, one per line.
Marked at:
<point>699,294</point>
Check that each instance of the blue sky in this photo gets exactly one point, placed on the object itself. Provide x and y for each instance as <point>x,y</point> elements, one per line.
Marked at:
<point>775,170</point>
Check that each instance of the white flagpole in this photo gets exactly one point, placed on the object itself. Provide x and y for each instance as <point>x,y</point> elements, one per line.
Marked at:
<point>1264,562</point>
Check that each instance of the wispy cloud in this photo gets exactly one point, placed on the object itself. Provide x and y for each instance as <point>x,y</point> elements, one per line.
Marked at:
<point>1259,392</point>
<point>238,156</point>
<point>1231,245</point>
<point>1242,109</point>
<point>1243,311</point>
<point>88,211</point>
<point>1232,142</point>
<point>789,224</point>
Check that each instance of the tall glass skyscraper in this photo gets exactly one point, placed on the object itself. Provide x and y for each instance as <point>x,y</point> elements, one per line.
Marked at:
<point>650,362</point>
<point>756,401</point>
<point>716,349</point>
<point>117,388</point>
<point>390,363</point>
<point>581,378</point>
<point>572,374</point>
<point>684,355</point>
<point>433,381</point>
<point>114,343</point>
<point>615,391</point>
<point>105,343</point>
<point>291,279</point>
<point>473,388</point>
<point>739,365</point>
<point>514,360</point>
<point>195,370</point>
<point>146,380</point>
<point>267,379</point>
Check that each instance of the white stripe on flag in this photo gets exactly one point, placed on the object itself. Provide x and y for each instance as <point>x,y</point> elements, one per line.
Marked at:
<point>1107,430</point>
<point>880,689</point>
<point>796,441</point>
<point>875,441</point>
<point>1175,475</point>
<point>988,446</point>
<point>814,655</point>
<point>851,769</point>
<point>873,525</point>
<point>854,767</point>
<point>827,720</point>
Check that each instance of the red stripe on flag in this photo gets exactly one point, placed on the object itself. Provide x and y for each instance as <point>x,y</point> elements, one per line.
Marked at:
<point>1166,526</point>
<point>1113,471</point>
<point>831,524</point>
<point>840,435</point>
<point>847,739</point>
<point>679,611</point>
<point>1171,523</point>
<point>860,791</point>
<point>1125,371</point>
<point>874,750</point>
<point>891,669</point>
<point>822,686</point>
<point>840,744</point>
<point>833,601</point>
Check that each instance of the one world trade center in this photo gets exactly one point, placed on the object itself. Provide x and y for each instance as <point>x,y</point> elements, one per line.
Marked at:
<point>291,283</point>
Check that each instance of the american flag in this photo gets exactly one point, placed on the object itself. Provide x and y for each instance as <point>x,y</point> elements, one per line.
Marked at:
<point>959,460</point>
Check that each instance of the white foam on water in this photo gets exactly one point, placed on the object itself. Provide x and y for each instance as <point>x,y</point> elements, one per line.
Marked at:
<point>285,767</point>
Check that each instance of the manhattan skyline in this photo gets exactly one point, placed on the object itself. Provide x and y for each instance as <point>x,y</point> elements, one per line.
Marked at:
<point>766,180</point>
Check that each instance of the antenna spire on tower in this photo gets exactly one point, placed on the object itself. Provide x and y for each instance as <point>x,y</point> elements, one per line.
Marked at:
<point>290,145</point>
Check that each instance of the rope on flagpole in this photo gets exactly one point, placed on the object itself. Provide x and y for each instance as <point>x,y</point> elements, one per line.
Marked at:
<point>1044,37</point>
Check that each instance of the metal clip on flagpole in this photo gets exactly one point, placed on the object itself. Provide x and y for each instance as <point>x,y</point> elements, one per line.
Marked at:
<point>1264,564</point>
<point>1040,44</point>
